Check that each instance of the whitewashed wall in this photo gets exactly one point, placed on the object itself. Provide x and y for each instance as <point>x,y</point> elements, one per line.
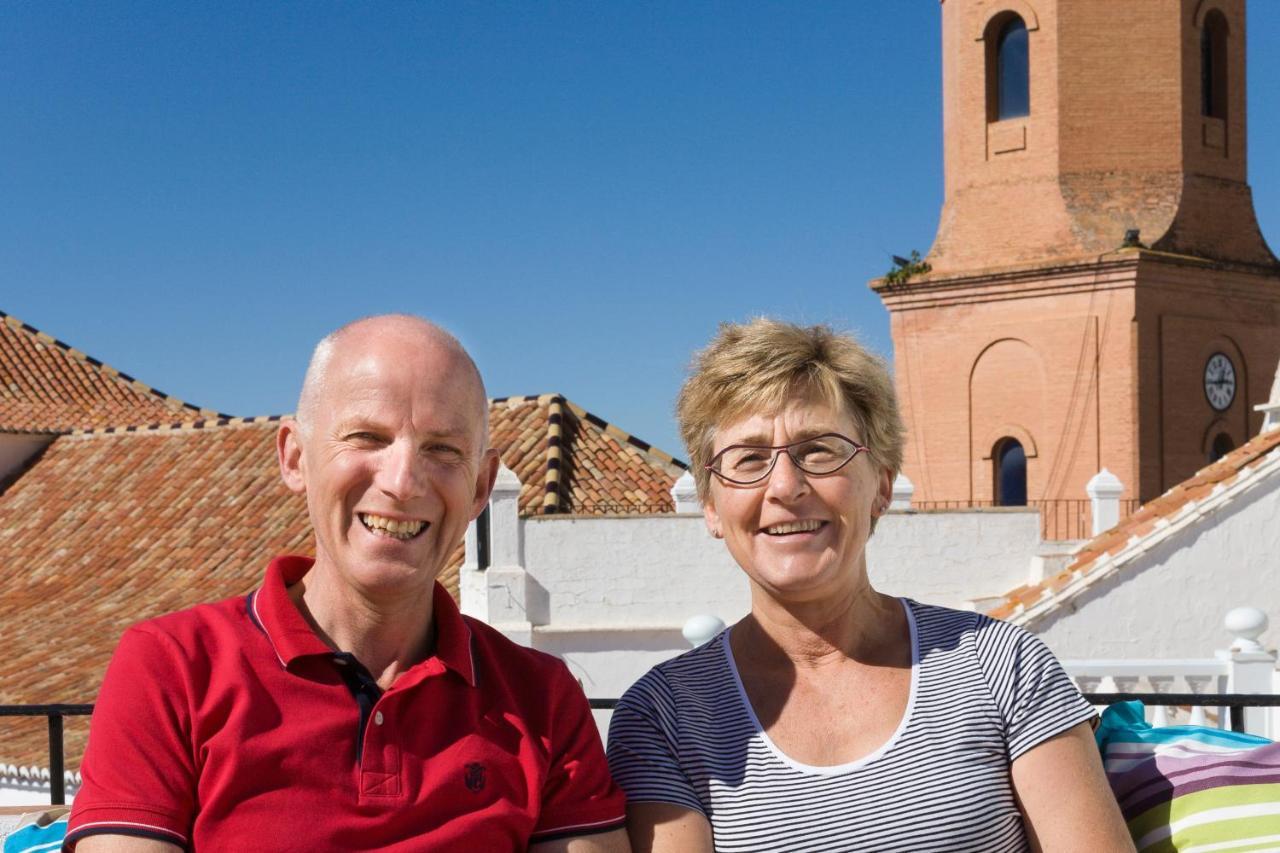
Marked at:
<point>610,595</point>
<point>1169,602</point>
<point>952,557</point>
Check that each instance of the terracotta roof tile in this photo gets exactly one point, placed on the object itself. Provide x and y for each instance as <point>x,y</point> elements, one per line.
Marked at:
<point>107,529</point>
<point>570,461</point>
<point>113,526</point>
<point>47,386</point>
<point>1148,520</point>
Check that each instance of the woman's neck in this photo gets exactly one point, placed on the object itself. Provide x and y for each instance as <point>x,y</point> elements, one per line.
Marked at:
<point>857,624</point>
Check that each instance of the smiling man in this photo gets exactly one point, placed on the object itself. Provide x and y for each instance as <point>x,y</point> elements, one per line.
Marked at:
<point>346,704</point>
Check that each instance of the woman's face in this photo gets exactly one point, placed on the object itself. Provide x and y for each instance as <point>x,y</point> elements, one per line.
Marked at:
<point>759,523</point>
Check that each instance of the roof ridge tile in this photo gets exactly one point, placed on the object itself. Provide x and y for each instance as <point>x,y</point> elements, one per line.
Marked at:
<point>100,367</point>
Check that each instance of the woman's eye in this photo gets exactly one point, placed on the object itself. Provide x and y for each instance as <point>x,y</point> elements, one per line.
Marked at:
<point>749,459</point>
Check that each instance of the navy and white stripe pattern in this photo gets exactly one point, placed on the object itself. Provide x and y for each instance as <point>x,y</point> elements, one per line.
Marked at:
<point>983,692</point>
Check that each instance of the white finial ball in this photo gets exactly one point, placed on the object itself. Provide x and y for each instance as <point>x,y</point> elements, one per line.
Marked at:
<point>1246,624</point>
<point>702,628</point>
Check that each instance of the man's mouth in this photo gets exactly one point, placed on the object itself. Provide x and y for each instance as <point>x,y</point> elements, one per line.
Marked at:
<point>394,528</point>
<point>788,527</point>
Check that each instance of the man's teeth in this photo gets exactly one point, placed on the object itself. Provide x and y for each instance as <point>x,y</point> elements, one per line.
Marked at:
<point>392,527</point>
<point>793,527</point>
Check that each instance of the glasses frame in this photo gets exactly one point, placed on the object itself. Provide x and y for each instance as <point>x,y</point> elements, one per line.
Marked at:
<point>778,450</point>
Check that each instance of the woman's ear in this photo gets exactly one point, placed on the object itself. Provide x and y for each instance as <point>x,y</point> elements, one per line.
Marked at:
<point>884,491</point>
<point>712,518</point>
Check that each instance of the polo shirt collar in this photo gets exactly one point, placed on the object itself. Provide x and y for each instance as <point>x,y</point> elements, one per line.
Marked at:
<point>272,610</point>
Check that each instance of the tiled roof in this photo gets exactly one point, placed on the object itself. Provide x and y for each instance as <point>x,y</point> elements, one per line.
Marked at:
<point>47,386</point>
<point>109,528</point>
<point>115,525</point>
<point>570,461</point>
<point>1111,551</point>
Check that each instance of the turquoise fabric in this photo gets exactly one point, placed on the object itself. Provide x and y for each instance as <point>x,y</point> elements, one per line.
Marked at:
<point>1191,789</point>
<point>37,839</point>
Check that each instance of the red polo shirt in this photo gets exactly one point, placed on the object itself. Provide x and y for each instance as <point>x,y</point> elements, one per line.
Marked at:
<point>231,726</point>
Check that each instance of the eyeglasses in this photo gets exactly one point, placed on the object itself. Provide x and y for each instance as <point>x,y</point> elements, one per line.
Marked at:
<point>748,464</point>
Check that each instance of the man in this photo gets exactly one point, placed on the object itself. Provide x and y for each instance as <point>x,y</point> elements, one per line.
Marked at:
<point>347,705</point>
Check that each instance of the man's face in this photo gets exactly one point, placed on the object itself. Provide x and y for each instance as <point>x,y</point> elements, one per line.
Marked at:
<point>392,463</point>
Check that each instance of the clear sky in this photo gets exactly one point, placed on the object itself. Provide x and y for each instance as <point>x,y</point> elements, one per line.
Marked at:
<point>195,193</point>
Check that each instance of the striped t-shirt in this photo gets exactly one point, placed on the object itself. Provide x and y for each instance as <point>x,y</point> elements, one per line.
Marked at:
<point>983,692</point>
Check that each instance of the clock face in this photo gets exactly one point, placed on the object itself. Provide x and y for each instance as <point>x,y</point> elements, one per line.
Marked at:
<point>1219,381</point>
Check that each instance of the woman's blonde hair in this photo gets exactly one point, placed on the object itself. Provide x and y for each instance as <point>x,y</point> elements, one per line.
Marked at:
<point>758,367</point>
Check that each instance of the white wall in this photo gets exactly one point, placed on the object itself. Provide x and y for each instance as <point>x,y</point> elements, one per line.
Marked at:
<point>951,557</point>
<point>610,595</point>
<point>1170,601</point>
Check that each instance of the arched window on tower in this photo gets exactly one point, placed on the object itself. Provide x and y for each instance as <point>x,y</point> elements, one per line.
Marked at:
<point>1008,69</point>
<point>1010,473</point>
<point>1222,445</point>
<point>1213,65</point>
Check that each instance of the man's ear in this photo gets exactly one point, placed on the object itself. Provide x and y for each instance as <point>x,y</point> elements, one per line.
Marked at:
<point>289,454</point>
<point>486,474</point>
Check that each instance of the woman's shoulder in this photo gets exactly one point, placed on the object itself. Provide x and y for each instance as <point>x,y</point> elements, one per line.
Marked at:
<point>948,628</point>
<point>697,675</point>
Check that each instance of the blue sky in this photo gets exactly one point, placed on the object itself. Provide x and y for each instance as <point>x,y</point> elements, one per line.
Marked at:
<point>195,193</point>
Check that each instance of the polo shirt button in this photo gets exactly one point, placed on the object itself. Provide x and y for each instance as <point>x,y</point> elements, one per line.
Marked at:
<point>377,718</point>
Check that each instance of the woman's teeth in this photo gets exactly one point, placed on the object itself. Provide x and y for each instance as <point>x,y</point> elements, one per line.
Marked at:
<point>391,527</point>
<point>793,527</point>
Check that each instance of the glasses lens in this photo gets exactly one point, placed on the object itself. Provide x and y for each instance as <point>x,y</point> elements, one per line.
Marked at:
<point>823,454</point>
<point>745,464</point>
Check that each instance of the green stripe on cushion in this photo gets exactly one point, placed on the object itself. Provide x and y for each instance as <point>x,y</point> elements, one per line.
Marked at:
<point>1228,813</point>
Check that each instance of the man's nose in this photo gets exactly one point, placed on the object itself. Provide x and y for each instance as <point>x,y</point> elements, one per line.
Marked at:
<point>402,474</point>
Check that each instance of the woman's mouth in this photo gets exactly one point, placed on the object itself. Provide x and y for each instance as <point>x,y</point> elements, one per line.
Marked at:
<point>787,528</point>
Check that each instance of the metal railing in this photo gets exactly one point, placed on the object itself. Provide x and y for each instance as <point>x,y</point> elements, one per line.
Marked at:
<point>1235,702</point>
<point>1060,518</point>
<point>57,759</point>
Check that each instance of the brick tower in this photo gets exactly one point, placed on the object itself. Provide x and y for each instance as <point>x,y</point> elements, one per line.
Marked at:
<point>1100,294</point>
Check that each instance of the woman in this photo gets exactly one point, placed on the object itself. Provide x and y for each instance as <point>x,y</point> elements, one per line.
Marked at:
<point>834,717</point>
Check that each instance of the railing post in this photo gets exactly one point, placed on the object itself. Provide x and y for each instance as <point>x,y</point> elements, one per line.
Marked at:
<point>57,780</point>
<point>685,494</point>
<point>903,490</point>
<point>701,629</point>
<point>1104,491</point>
<point>1251,668</point>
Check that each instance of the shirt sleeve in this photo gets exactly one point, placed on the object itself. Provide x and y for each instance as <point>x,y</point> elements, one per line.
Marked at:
<point>643,746</point>
<point>579,796</point>
<point>138,775</point>
<point>1036,699</point>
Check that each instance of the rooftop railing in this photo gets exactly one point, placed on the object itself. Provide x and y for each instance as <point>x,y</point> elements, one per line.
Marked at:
<point>1060,519</point>
<point>55,714</point>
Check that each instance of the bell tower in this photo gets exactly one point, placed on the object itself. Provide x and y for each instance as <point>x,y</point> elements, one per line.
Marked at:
<point>1099,293</point>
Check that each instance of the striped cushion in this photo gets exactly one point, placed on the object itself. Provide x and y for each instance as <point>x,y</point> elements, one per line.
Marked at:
<point>1190,788</point>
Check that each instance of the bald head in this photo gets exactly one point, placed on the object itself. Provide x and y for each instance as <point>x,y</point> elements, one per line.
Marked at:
<point>360,337</point>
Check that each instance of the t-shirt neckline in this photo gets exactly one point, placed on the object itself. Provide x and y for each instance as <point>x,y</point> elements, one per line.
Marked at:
<point>832,769</point>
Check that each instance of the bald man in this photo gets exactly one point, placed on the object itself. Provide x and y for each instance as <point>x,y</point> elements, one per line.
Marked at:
<point>346,704</point>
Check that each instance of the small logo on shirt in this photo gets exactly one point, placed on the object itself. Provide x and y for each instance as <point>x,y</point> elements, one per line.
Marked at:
<point>474,776</point>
